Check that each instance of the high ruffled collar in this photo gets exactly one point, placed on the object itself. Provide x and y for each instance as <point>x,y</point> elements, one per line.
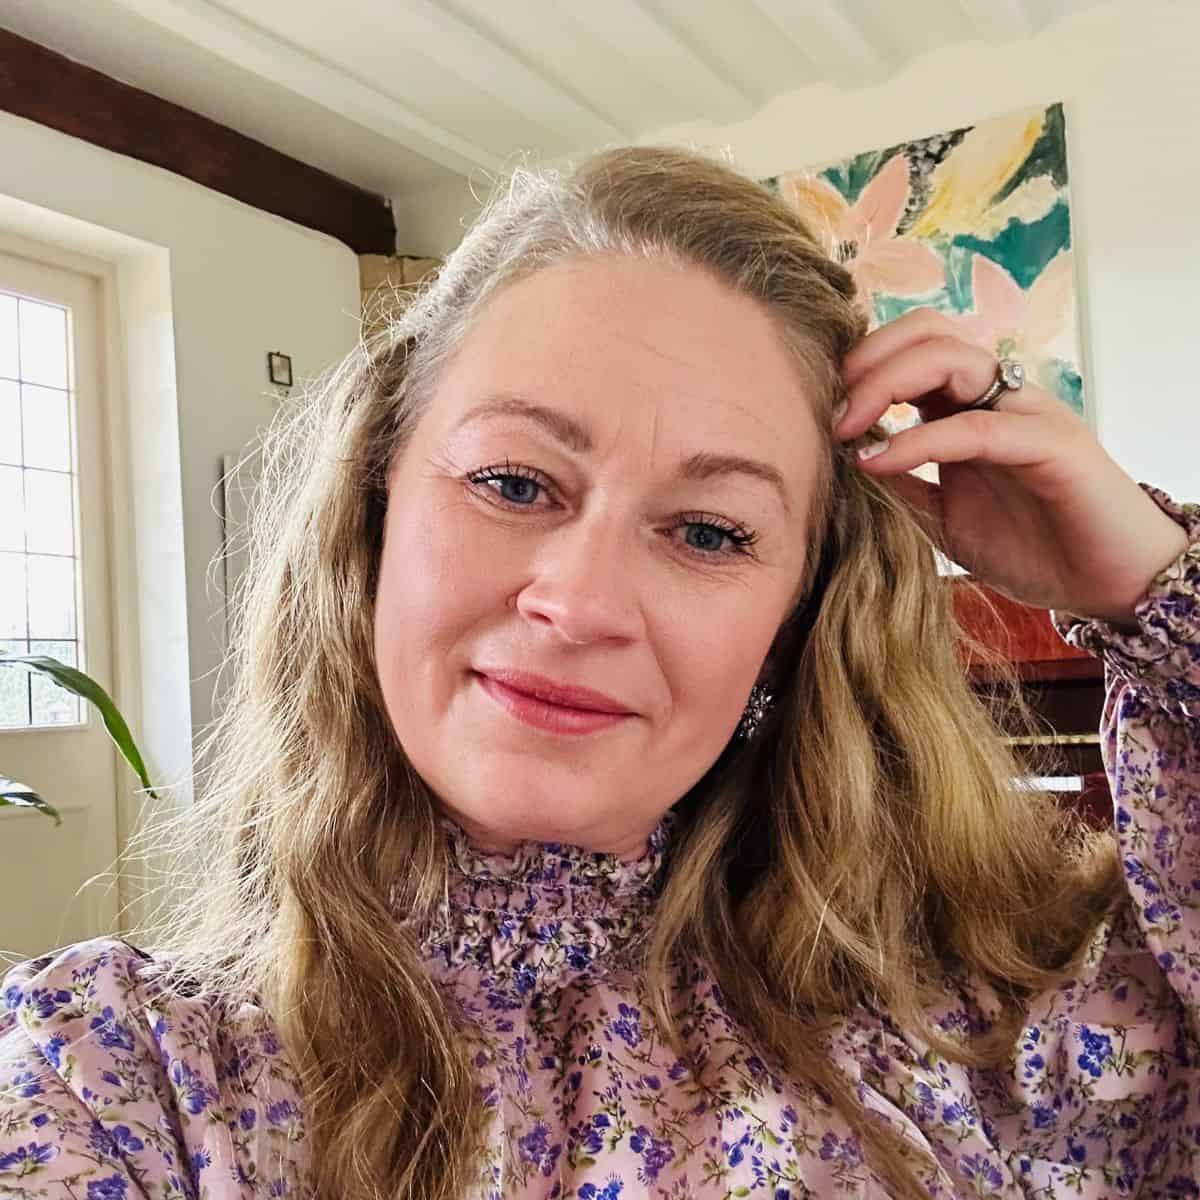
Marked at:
<point>513,926</point>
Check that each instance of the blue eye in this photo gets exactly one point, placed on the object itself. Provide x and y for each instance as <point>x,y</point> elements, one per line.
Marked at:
<point>715,531</point>
<point>713,538</point>
<point>518,489</point>
<point>517,484</point>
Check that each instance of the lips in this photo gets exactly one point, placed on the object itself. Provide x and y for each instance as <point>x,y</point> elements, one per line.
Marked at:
<point>551,691</point>
<point>550,716</point>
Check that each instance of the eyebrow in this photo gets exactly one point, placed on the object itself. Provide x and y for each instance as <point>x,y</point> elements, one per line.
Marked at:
<point>562,427</point>
<point>706,466</point>
<point>577,437</point>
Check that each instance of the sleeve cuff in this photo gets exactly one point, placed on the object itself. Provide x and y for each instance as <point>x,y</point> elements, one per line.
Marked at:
<point>1163,653</point>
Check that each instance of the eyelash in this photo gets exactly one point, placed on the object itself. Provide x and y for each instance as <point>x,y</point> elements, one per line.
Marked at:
<point>741,538</point>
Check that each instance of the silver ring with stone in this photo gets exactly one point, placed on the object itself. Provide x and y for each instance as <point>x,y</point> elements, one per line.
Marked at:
<point>1010,377</point>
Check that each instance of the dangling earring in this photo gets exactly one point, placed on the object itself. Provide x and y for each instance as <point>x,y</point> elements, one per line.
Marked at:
<point>760,701</point>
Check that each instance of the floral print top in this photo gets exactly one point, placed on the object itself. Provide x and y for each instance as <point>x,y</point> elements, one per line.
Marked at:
<point>109,1091</point>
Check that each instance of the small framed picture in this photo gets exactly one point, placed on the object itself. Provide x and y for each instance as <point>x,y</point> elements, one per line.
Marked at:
<point>279,368</point>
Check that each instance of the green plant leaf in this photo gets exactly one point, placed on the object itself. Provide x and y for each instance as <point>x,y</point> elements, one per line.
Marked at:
<point>20,795</point>
<point>85,686</point>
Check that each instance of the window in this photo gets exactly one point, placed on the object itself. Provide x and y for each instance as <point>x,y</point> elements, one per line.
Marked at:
<point>39,527</point>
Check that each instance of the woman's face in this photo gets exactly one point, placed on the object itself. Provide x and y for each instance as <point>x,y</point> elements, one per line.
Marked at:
<point>569,506</point>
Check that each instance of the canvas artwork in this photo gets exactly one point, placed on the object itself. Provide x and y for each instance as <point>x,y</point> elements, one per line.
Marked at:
<point>975,222</point>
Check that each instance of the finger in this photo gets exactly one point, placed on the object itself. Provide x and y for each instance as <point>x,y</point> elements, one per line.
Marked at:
<point>937,376</point>
<point>1001,438</point>
<point>915,326</point>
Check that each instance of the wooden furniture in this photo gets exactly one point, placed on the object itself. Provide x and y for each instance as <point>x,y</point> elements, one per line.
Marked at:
<point>1064,686</point>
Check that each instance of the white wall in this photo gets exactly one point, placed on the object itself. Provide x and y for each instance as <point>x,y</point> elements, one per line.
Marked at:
<point>236,282</point>
<point>432,221</point>
<point>1131,92</point>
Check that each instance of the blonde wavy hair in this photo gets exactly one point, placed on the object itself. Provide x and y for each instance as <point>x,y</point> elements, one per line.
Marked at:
<point>869,845</point>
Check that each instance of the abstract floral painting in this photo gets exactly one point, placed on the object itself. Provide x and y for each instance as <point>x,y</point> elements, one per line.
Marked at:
<point>975,222</point>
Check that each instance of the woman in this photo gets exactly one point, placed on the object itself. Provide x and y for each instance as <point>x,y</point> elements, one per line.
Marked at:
<point>601,809</point>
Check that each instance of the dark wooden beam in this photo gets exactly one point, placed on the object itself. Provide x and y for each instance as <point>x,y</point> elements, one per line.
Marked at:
<point>53,90</point>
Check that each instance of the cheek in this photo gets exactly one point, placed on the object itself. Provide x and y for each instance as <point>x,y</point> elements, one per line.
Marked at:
<point>431,584</point>
<point>712,661</point>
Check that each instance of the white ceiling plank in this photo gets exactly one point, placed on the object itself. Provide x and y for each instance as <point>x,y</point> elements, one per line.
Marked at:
<point>999,20</point>
<point>456,44</point>
<point>249,47</point>
<point>441,87</point>
<point>826,22</point>
<point>795,27</point>
<point>621,22</point>
<point>687,45</point>
<point>742,43</point>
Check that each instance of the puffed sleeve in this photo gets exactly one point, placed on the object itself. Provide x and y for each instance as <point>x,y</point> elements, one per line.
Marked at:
<point>86,1106</point>
<point>1150,740</point>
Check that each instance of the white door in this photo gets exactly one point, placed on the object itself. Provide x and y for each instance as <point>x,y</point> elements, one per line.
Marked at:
<point>54,600</point>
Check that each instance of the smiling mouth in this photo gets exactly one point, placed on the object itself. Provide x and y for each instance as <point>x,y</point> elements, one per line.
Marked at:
<point>546,715</point>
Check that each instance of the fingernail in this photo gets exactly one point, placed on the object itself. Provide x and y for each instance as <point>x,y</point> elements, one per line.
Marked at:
<point>840,412</point>
<point>871,449</point>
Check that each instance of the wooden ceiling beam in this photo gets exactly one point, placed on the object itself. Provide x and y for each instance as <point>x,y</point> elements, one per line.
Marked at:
<point>41,85</point>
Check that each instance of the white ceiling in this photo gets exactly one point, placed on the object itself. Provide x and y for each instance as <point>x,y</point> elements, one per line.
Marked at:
<point>400,95</point>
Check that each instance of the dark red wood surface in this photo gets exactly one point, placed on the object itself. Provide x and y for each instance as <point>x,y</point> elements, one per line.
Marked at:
<point>1022,634</point>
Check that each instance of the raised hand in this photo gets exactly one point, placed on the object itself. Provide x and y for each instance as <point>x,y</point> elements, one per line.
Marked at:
<point>1028,500</point>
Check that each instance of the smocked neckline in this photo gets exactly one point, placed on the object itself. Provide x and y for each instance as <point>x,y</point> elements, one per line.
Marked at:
<point>557,864</point>
<point>513,927</point>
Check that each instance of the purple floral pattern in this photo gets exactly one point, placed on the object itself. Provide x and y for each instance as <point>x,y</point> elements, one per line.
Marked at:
<point>110,1091</point>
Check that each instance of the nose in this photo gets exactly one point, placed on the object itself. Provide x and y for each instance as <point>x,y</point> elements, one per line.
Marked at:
<point>583,582</point>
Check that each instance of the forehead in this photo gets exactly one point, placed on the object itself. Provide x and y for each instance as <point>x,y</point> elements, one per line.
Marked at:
<point>636,349</point>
